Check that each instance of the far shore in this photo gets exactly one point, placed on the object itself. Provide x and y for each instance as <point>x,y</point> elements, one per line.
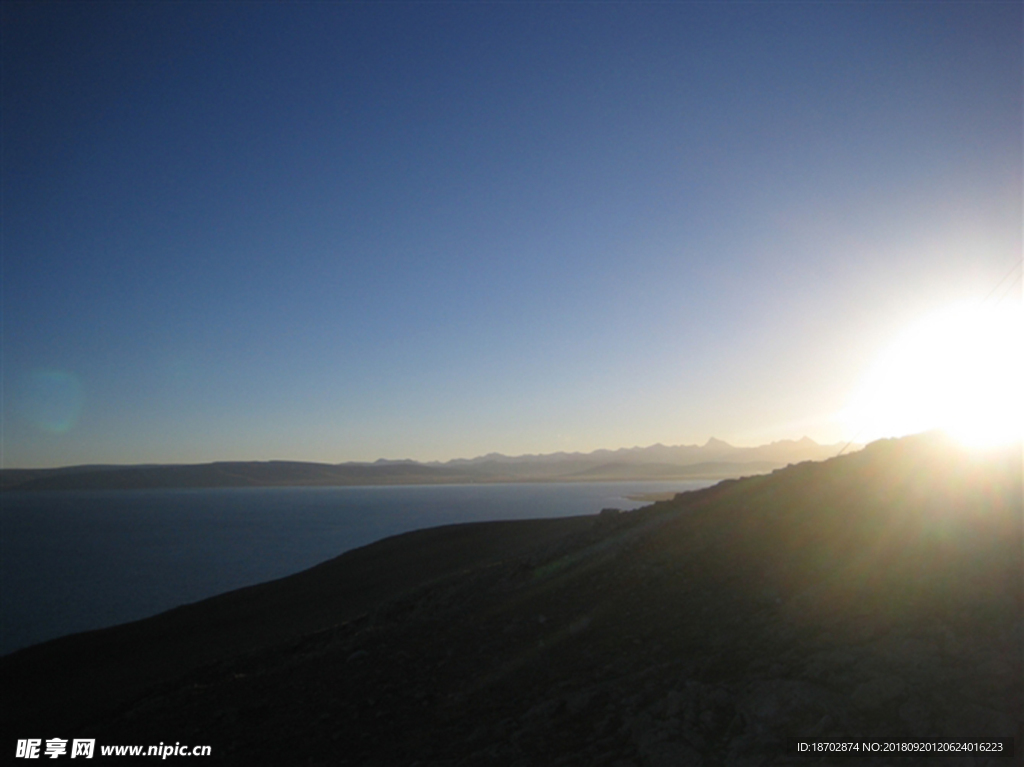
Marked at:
<point>211,476</point>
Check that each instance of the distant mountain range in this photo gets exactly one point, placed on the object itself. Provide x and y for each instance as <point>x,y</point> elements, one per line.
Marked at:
<point>713,460</point>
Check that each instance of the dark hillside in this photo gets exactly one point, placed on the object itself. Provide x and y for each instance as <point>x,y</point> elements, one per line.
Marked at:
<point>876,596</point>
<point>74,679</point>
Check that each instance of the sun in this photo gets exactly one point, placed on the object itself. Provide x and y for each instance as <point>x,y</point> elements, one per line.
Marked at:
<point>960,370</point>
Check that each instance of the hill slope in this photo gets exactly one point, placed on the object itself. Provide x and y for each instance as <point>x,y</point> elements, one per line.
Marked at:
<point>874,596</point>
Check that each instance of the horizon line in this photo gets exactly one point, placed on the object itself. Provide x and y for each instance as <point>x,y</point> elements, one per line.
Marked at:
<point>495,454</point>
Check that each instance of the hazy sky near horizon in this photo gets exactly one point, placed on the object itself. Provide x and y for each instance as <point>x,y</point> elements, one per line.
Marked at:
<point>325,231</point>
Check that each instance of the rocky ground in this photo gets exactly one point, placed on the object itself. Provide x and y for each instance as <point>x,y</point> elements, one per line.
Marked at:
<point>874,597</point>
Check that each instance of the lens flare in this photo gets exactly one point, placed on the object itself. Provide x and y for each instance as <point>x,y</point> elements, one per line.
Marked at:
<point>53,400</point>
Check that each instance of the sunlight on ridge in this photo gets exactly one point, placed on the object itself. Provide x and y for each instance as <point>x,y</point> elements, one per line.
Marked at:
<point>959,369</point>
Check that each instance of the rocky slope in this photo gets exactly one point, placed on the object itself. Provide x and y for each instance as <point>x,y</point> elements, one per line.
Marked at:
<point>876,596</point>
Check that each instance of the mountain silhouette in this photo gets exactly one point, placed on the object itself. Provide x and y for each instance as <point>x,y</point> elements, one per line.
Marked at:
<point>714,460</point>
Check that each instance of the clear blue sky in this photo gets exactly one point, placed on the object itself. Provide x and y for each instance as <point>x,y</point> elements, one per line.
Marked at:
<point>332,232</point>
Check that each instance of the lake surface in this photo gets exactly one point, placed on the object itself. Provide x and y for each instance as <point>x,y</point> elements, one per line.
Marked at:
<point>75,561</point>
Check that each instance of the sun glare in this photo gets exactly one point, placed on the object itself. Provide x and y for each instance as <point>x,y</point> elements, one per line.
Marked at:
<point>959,370</point>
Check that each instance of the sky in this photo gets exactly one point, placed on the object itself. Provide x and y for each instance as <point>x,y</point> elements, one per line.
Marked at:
<point>334,232</point>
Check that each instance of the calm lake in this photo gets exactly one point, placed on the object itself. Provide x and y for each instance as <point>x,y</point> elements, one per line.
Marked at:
<point>74,561</point>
